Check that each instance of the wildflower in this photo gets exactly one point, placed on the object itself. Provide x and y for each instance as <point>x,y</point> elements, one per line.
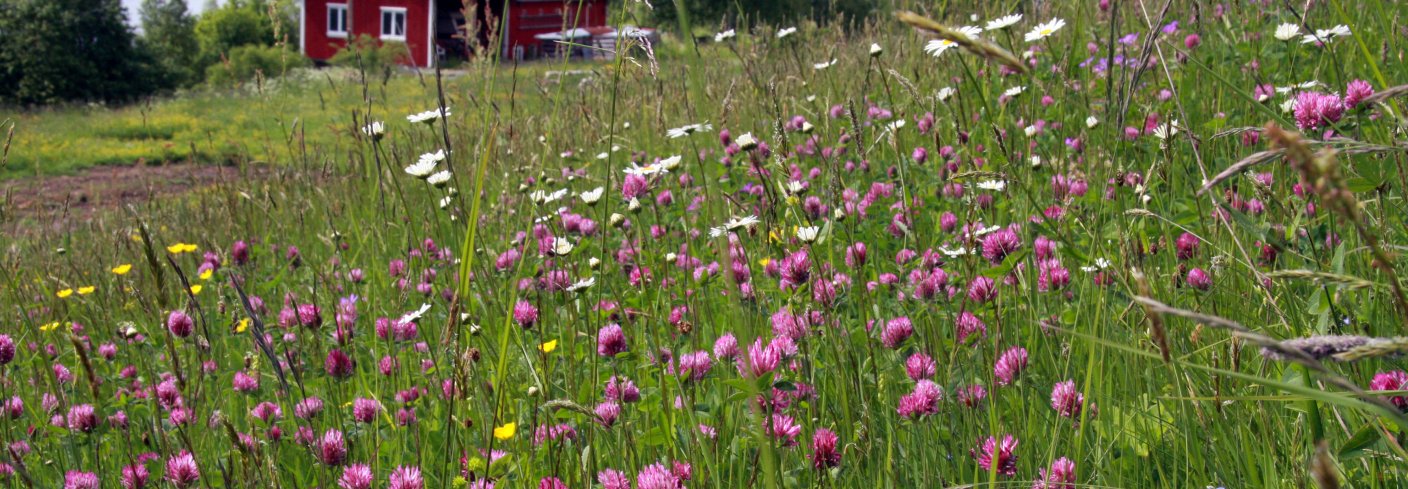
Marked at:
<point>7,350</point>
<point>614,479</point>
<point>1014,91</point>
<point>875,49</point>
<point>1187,245</point>
<point>937,47</point>
<point>429,116</point>
<point>135,476</point>
<point>1325,35</point>
<point>656,476</point>
<point>74,479</point>
<point>610,340</point>
<point>1199,279</point>
<point>686,130</point>
<point>440,179</point>
<point>421,169</point>
<point>825,64</point>
<point>824,452</point>
<point>808,234</point>
<point>581,285</point>
<point>332,448</point>
<point>561,247</point>
<point>365,410</point>
<point>1044,30</point>
<point>1066,400</point>
<point>1062,475</point>
<point>356,476</point>
<point>82,419</point>
<point>786,31</point>
<point>1091,122</point>
<point>63,294</point>
<point>405,477</point>
<point>591,197</point>
<point>376,130</point>
<point>1287,31</point>
<point>896,331</point>
<point>998,245</point>
<point>505,431</point>
<point>785,429</point>
<point>922,401</point>
<point>122,269</point>
<point>763,360</point>
<point>181,470</point>
<point>1009,365</point>
<point>945,93</point>
<point>179,324</point>
<point>548,346</point>
<point>746,142</point>
<point>1356,92</point>
<point>999,457</point>
<point>525,314</point>
<point>725,35</point>
<point>339,365</point>
<point>1394,380</point>
<point>1003,22</point>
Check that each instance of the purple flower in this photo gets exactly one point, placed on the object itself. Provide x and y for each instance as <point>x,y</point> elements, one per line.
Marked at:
<point>405,477</point>
<point>1010,364</point>
<point>763,360</point>
<point>356,476</point>
<point>332,448</point>
<point>7,350</point>
<point>613,479</point>
<point>920,366</point>
<point>999,456</point>
<point>135,476</point>
<point>1062,475</point>
<point>694,366</point>
<point>74,479</point>
<point>998,244</point>
<point>1199,279</point>
<point>785,429</point>
<point>365,410</point>
<point>525,314</point>
<point>338,364</point>
<point>922,401</point>
<point>181,470</point>
<point>1066,400</point>
<point>896,331</point>
<point>82,419</point>
<point>656,476</point>
<point>179,324</point>
<point>1356,92</point>
<point>824,452</point>
<point>1392,381</point>
<point>610,340</point>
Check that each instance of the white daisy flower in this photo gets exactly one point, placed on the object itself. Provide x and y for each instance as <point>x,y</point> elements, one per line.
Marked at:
<point>725,35</point>
<point>1287,31</point>
<point>715,232</point>
<point>429,116</point>
<point>670,163</point>
<point>603,155</point>
<point>683,131</point>
<point>561,246</point>
<point>416,314</point>
<point>582,284</point>
<point>993,185</point>
<point>1044,30</point>
<point>937,47</point>
<point>875,49</point>
<point>421,169</point>
<point>1091,122</point>
<point>1036,161</point>
<point>1003,22</point>
<point>1029,130</point>
<point>953,253</point>
<point>1165,131</point>
<point>746,141</point>
<point>787,31</point>
<point>808,233</point>
<point>742,222</point>
<point>591,197</point>
<point>446,201</point>
<point>375,130</point>
<point>439,179</point>
<point>987,230</point>
<point>1015,91</point>
<point>946,93</point>
<point>898,123</point>
<point>825,65</point>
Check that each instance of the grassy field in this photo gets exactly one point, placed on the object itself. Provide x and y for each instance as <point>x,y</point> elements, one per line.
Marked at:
<point>1136,248</point>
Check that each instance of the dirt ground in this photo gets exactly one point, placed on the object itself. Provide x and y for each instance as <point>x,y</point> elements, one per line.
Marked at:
<point>60,201</point>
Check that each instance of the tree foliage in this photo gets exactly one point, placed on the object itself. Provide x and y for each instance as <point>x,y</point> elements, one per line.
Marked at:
<point>714,13</point>
<point>168,32</point>
<point>69,50</point>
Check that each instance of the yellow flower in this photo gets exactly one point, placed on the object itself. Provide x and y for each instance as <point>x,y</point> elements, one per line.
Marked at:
<point>764,262</point>
<point>63,294</point>
<point>122,269</point>
<point>195,289</point>
<point>187,248</point>
<point>175,249</point>
<point>207,273</point>
<point>548,347</point>
<point>85,290</point>
<point>506,431</point>
<point>242,326</point>
<point>50,327</point>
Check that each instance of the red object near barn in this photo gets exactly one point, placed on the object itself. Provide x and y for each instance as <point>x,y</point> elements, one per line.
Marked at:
<point>437,29</point>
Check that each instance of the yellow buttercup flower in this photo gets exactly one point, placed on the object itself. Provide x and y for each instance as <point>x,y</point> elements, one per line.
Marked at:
<point>175,249</point>
<point>207,273</point>
<point>764,262</point>
<point>187,248</point>
<point>63,294</point>
<point>506,431</point>
<point>195,289</point>
<point>85,290</point>
<point>548,347</point>
<point>242,326</point>
<point>49,327</point>
<point>122,269</point>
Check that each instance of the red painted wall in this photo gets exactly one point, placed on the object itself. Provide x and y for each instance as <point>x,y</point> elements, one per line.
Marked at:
<point>364,18</point>
<point>527,18</point>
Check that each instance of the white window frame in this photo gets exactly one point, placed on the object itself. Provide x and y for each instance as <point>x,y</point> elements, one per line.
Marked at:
<point>335,9</point>
<point>404,20</point>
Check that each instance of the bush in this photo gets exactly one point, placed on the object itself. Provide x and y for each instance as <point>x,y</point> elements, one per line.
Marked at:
<point>69,50</point>
<point>375,55</point>
<point>222,30</point>
<point>247,62</point>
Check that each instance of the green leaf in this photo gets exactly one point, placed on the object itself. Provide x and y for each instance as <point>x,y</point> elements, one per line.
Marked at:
<point>1355,446</point>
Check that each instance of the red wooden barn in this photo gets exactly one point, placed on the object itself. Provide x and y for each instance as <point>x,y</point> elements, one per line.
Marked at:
<point>434,29</point>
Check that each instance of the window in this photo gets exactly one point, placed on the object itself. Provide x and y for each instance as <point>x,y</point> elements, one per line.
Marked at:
<point>337,20</point>
<point>393,23</point>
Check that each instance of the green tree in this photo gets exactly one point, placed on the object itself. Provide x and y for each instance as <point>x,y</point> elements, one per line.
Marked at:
<point>236,24</point>
<point>69,50</point>
<point>169,33</point>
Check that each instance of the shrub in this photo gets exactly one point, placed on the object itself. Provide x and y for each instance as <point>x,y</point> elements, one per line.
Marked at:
<point>246,62</point>
<point>375,56</point>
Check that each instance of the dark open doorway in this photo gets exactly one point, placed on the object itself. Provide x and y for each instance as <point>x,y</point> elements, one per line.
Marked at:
<point>462,27</point>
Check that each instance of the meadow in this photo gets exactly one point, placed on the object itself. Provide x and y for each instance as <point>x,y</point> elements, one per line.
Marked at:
<point>1093,244</point>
